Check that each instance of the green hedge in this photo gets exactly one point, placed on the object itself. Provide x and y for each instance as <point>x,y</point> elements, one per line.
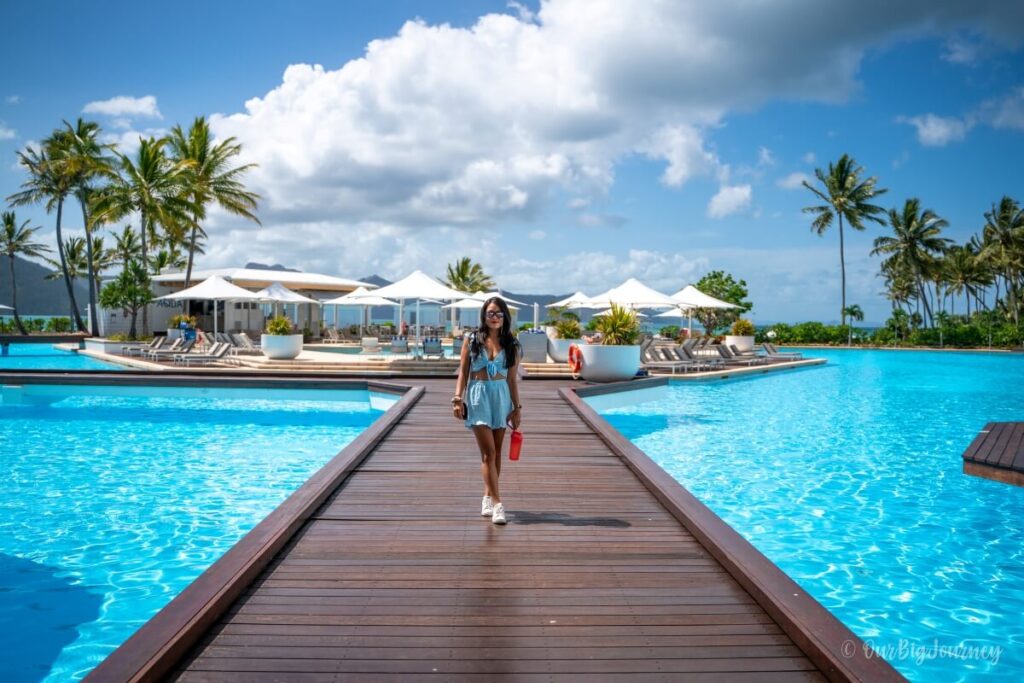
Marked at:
<point>956,334</point>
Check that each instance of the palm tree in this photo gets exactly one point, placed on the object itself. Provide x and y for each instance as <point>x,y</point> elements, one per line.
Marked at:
<point>467,276</point>
<point>75,261</point>
<point>916,244</point>
<point>1003,237</point>
<point>17,240</point>
<point>126,246</point>
<point>845,196</point>
<point>167,258</point>
<point>48,183</point>
<point>210,179</point>
<point>86,161</point>
<point>854,312</point>
<point>153,186</point>
<point>964,273</point>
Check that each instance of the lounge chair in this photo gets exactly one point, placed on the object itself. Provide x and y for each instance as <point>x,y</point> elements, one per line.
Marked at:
<point>248,343</point>
<point>731,359</point>
<point>702,362</point>
<point>134,349</point>
<point>242,344</point>
<point>432,348</point>
<point>774,353</point>
<point>177,347</point>
<point>217,353</point>
<point>657,358</point>
<point>400,346</point>
<point>332,336</point>
<point>744,354</point>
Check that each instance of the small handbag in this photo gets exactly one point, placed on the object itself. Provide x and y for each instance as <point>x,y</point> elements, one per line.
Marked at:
<point>515,444</point>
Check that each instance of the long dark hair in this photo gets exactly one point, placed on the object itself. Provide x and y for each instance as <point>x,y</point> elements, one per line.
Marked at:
<point>508,342</point>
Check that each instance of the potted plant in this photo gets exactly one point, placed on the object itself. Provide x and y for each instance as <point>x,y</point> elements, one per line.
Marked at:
<point>742,335</point>
<point>279,342</point>
<point>617,356</point>
<point>567,331</point>
<point>179,323</point>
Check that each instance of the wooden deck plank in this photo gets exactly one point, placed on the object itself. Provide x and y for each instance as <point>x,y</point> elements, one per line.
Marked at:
<point>997,453</point>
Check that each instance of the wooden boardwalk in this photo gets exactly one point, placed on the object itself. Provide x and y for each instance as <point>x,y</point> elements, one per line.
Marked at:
<point>997,453</point>
<point>397,577</point>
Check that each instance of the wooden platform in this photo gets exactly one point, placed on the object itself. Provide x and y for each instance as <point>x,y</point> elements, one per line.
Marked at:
<point>997,453</point>
<point>395,576</point>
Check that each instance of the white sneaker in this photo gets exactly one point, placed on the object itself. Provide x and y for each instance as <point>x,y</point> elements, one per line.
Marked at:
<point>498,517</point>
<point>487,507</point>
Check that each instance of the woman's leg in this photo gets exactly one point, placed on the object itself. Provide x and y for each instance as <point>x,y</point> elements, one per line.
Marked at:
<point>488,461</point>
<point>499,437</point>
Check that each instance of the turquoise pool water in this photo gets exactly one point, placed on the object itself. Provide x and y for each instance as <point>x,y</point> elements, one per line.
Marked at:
<point>46,357</point>
<point>113,499</point>
<point>848,477</point>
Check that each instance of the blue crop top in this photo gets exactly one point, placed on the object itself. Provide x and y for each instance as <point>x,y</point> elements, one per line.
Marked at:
<point>494,367</point>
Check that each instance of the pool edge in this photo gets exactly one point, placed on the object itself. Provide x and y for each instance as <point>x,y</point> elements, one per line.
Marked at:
<point>838,652</point>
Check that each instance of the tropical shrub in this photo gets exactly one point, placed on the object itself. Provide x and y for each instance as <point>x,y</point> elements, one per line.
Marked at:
<point>670,331</point>
<point>176,320</point>
<point>58,325</point>
<point>619,327</point>
<point>724,286</point>
<point>568,328</point>
<point>743,328</point>
<point>279,326</point>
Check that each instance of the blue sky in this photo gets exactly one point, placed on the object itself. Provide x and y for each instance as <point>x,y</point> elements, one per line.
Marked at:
<point>565,146</point>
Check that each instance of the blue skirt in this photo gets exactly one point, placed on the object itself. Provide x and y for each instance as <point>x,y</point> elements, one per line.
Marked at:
<point>488,403</point>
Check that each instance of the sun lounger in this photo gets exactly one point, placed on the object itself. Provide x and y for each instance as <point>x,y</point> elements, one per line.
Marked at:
<point>745,354</point>
<point>242,345</point>
<point>773,352</point>
<point>731,359</point>
<point>177,347</point>
<point>217,353</point>
<point>432,348</point>
<point>248,343</point>
<point>703,362</point>
<point>135,350</point>
<point>657,358</point>
<point>332,336</point>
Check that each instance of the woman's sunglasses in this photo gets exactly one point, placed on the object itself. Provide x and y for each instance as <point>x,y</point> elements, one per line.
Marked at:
<point>495,315</point>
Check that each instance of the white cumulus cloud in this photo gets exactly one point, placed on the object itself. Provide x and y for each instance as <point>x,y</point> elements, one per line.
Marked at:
<point>937,131</point>
<point>730,199</point>
<point>7,133</point>
<point>793,181</point>
<point>125,106</point>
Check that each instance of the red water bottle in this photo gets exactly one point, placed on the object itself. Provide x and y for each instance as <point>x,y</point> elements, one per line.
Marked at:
<point>515,445</point>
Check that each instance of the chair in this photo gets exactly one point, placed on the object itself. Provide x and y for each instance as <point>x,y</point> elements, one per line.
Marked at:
<point>774,353</point>
<point>732,359</point>
<point>655,358</point>
<point>217,353</point>
<point>400,346</point>
<point>702,362</point>
<point>332,336</point>
<point>745,354</point>
<point>248,343</point>
<point>131,349</point>
<point>241,344</point>
<point>432,348</point>
<point>174,348</point>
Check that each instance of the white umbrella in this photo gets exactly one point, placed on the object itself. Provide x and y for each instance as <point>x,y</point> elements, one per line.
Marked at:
<point>417,285</point>
<point>608,310</point>
<point>360,296</point>
<point>279,294</point>
<point>633,294</point>
<point>213,289</point>
<point>690,297</point>
<point>577,300</point>
<point>472,304</point>
<point>6,308</point>
<point>484,296</point>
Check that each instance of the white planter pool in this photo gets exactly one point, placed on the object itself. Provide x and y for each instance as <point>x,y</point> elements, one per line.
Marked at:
<point>609,363</point>
<point>742,342</point>
<point>281,346</point>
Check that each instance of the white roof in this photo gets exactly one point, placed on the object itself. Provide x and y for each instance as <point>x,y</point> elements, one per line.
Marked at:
<point>278,293</point>
<point>577,300</point>
<point>214,288</point>
<point>419,285</point>
<point>633,294</point>
<point>691,296</point>
<point>361,297</point>
<point>258,277</point>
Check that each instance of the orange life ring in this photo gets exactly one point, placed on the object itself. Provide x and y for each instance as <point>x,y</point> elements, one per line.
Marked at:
<point>575,360</point>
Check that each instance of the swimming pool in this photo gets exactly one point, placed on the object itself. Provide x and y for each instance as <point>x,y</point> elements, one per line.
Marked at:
<point>47,357</point>
<point>385,350</point>
<point>115,498</point>
<point>848,477</point>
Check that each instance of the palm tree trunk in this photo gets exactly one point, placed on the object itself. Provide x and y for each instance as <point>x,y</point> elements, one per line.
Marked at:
<point>94,327</point>
<point>191,251</point>
<point>145,267</point>
<point>14,298</point>
<point>842,270</point>
<point>64,269</point>
<point>131,327</point>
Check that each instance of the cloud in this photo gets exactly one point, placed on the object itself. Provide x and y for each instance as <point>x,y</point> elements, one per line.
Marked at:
<point>524,13</point>
<point>765,157</point>
<point>809,158</point>
<point>13,99</point>
<point>127,141</point>
<point>961,49</point>
<point>537,235</point>
<point>793,181</point>
<point>1005,112</point>
<point>600,220</point>
<point>729,200</point>
<point>125,106</point>
<point>7,133</point>
<point>937,131</point>
<point>442,127</point>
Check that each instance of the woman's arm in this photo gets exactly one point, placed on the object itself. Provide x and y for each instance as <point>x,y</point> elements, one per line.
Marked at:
<point>460,382</point>
<point>513,389</point>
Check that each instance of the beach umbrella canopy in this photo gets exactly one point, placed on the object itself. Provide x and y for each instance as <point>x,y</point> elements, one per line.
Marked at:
<point>577,300</point>
<point>360,297</point>
<point>417,285</point>
<point>212,289</point>
<point>279,294</point>
<point>690,296</point>
<point>472,304</point>
<point>484,296</point>
<point>633,294</point>
<point>5,308</point>
<point>608,310</point>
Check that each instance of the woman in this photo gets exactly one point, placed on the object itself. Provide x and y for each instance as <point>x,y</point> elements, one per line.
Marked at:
<point>491,399</point>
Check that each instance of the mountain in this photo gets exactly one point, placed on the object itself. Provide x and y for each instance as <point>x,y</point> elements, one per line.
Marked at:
<point>375,280</point>
<point>36,294</point>
<point>277,266</point>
